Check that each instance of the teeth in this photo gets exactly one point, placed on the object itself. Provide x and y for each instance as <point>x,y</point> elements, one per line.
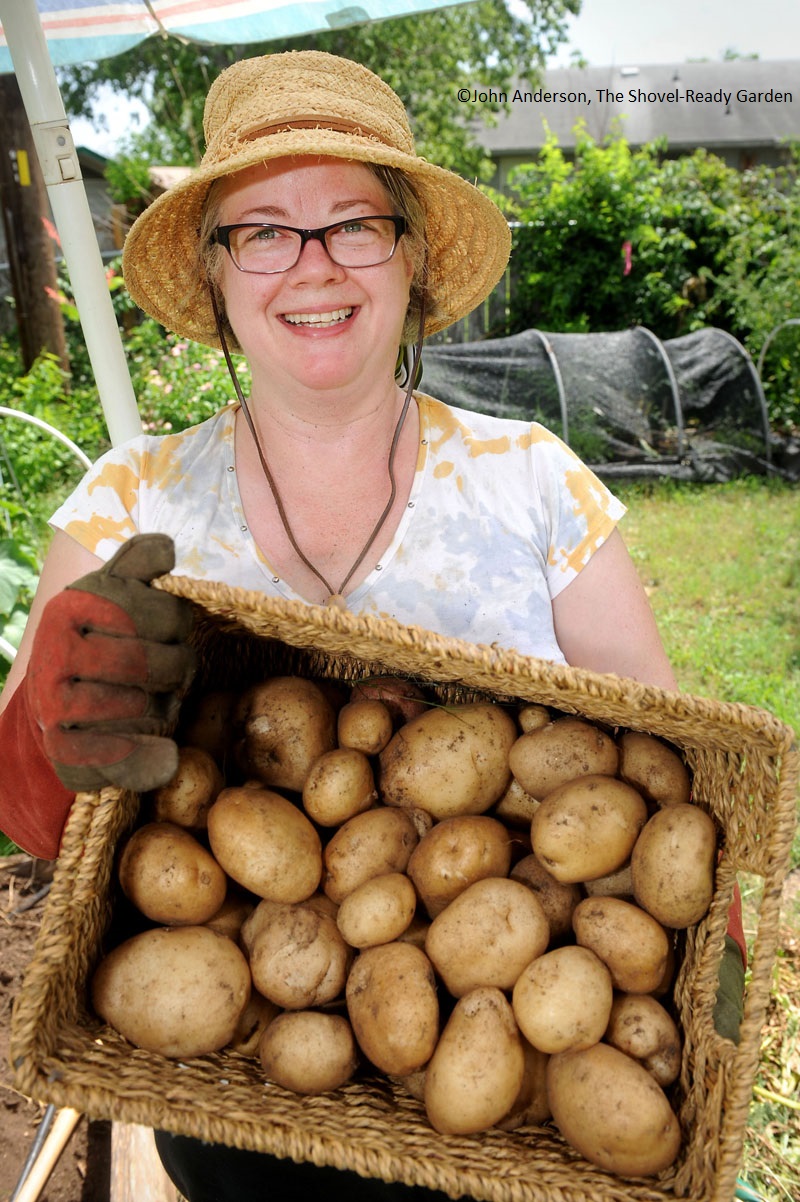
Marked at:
<point>318,319</point>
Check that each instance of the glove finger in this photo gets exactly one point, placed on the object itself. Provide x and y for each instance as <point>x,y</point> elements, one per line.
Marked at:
<point>141,763</point>
<point>150,613</point>
<point>91,704</point>
<point>142,557</point>
<point>154,667</point>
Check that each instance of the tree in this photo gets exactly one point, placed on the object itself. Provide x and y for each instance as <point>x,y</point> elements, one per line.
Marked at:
<point>30,246</point>
<point>426,58</point>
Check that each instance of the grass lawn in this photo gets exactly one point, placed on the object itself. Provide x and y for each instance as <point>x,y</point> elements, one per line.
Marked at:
<point>721,564</point>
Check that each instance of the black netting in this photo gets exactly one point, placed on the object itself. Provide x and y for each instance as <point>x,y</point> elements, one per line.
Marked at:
<point>626,402</point>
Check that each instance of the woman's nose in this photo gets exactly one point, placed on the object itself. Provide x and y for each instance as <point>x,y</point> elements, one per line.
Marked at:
<point>315,261</point>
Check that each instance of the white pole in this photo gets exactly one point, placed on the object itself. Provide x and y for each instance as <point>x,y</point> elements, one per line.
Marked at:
<point>62,176</point>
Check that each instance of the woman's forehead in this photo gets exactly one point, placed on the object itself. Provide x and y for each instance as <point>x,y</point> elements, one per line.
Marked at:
<point>285,180</point>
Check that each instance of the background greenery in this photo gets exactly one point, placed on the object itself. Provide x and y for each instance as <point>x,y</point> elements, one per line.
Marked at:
<point>709,245</point>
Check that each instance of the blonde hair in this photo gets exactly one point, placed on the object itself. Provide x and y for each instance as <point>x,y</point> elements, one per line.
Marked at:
<point>404,202</point>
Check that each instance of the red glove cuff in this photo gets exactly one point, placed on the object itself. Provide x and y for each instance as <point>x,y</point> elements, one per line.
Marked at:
<point>735,925</point>
<point>33,802</point>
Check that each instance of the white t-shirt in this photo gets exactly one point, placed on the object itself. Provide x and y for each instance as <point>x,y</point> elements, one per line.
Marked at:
<point>501,517</point>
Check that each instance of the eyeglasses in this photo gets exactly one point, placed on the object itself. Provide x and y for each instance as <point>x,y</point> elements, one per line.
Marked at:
<point>264,249</point>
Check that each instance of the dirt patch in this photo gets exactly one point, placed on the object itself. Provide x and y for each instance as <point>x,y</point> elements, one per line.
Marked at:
<point>82,1173</point>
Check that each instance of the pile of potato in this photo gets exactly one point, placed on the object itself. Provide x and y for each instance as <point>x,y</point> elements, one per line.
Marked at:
<point>477,900</point>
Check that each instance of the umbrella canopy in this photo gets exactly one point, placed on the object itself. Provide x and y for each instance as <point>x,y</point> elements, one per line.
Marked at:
<point>79,31</point>
<point>37,35</point>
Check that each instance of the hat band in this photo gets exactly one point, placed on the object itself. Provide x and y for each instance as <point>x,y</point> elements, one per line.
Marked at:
<point>336,124</point>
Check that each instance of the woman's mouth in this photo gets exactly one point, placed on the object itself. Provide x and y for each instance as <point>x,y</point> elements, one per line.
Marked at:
<point>319,320</point>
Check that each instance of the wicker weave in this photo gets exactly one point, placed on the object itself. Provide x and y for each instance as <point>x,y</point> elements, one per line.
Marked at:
<point>745,766</point>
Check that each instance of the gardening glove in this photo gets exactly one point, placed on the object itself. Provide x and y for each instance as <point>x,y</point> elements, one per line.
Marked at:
<point>729,1007</point>
<point>108,671</point>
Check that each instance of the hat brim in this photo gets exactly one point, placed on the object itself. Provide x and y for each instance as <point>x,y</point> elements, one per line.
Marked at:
<point>468,239</point>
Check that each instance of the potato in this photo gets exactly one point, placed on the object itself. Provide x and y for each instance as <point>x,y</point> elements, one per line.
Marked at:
<point>403,699</point>
<point>231,916</point>
<point>476,1072</point>
<point>487,936</point>
<point>566,748</point>
<point>455,853</point>
<point>611,1110</point>
<point>253,1022</point>
<point>170,877</point>
<point>653,768</point>
<point>265,843</point>
<point>178,991</point>
<point>187,798</point>
<point>451,760</point>
<point>587,827</point>
<point>298,959</point>
<point>339,785</point>
<point>616,884</point>
<point>393,1007</point>
<point>412,1083</point>
<point>558,901</point>
<point>672,865</point>
<point>642,1028</point>
<point>632,945</point>
<point>283,725</point>
<point>256,921</point>
<point>207,723</point>
<point>562,1000</point>
<point>368,845</point>
<point>365,725</point>
<point>417,931</point>
<point>533,717</point>
<point>531,1106</point>
<point>516,807</point>
<point>378,911</point>
<point>308,1052</point>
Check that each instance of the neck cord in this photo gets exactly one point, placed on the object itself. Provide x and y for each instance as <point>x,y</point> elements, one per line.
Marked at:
<point>335,596</point>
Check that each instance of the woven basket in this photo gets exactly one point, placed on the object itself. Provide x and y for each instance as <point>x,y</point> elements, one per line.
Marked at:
<point>745,767</point>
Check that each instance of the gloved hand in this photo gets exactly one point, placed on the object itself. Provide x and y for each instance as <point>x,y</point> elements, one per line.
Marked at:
<point>108,670</point>
<point>729,1007</point>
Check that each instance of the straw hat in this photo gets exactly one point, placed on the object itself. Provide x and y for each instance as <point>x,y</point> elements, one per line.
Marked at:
<point>309,103</point>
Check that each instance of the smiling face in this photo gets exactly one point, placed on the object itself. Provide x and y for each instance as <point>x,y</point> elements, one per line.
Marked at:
<point>317,324</point>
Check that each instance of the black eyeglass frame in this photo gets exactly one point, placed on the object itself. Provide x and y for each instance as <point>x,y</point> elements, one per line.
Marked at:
<point>221,234</point>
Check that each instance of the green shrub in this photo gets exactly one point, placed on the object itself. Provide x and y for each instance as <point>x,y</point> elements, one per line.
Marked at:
<point>617,237</point>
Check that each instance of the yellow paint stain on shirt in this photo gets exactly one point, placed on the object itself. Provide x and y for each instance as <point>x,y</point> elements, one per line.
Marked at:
<point>449,427</point>
<point>194,562</point>
<point>91,534</point>
<point>121,478</point>
<point>443,469</point>
<point>165,470</point>
<point>582,552</point>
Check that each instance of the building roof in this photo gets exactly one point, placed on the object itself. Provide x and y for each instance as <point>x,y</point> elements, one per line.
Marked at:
<point>742,102</point>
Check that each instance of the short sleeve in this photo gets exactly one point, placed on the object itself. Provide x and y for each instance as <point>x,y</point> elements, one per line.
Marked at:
<point>580,512</point>
<point>103,511</point>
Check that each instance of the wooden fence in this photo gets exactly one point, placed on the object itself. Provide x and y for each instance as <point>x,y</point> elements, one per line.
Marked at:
<point>489,320</point>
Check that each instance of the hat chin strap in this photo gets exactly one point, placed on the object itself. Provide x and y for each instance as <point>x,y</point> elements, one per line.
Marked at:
<point>414,374</point>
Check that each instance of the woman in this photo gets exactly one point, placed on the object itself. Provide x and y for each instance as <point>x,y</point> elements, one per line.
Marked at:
<point>316,242</point>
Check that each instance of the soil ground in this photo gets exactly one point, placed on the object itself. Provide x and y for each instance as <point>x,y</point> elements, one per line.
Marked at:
<point>82,1173</point>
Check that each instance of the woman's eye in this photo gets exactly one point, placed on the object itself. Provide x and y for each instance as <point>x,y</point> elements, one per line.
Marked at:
<point>264,233</point>
<point>354,227</point>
